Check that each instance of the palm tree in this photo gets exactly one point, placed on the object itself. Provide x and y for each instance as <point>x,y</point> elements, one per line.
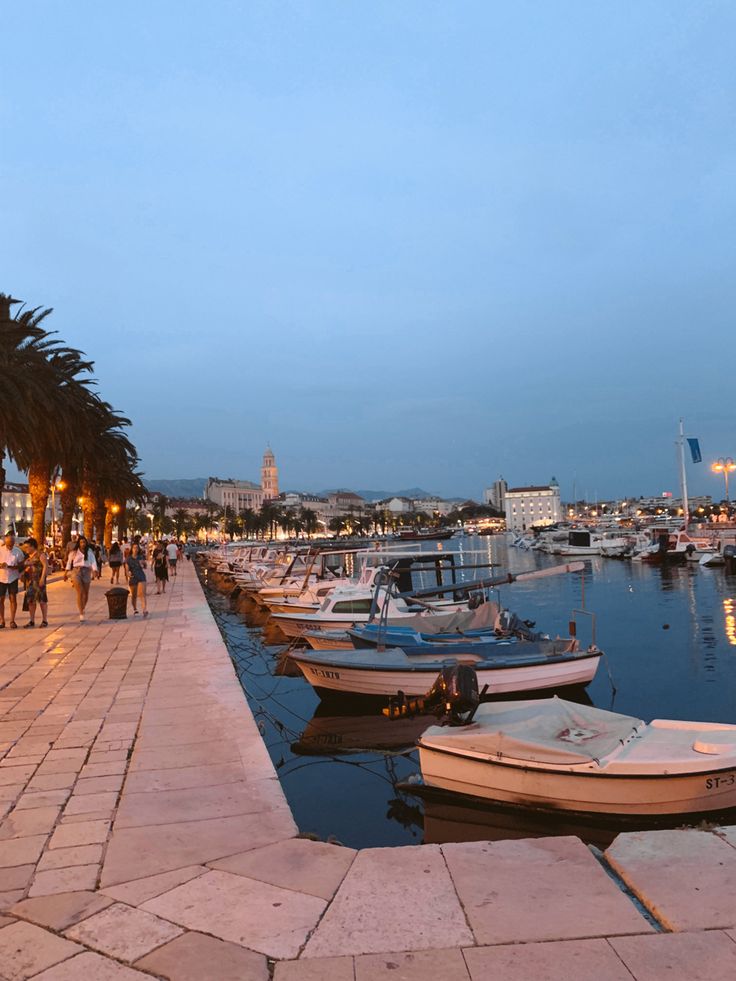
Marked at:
<point>249,520</point>
<point>39,378</point>
<point>182,521</point>
<point>54,420</point>
<point>309,520</point>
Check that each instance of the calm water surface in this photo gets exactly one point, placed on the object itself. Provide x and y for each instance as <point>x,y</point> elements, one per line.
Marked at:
<point>670,640</point>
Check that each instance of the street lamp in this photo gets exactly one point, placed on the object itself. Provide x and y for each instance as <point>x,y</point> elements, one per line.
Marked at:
<point>724,465</point>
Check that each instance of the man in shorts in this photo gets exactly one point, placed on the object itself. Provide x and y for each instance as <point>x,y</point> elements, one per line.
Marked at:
<point>11,565</point>
<point>172,552</point>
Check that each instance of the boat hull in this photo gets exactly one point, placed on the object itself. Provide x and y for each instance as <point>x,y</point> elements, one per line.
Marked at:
<point>509,783</point>
<point>575,672</point>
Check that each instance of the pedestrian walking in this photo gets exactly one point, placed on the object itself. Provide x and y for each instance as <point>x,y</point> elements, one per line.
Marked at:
<point>159,567</point>
<point>172,552</point>
<point>115,560</point>
<point>97,549</point>
<point>135,564</point>
<point>83,566</point>
<point>11,566</point>
<point>35,575</point>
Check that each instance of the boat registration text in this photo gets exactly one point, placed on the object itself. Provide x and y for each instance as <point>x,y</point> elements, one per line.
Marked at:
<point>715,783</point>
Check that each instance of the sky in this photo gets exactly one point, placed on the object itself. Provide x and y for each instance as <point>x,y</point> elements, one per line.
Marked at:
<point>407,244</point>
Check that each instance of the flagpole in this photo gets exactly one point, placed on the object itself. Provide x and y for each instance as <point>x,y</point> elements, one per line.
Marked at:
<point>683,477</point>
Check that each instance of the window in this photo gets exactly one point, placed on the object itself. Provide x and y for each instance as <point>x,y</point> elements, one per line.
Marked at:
<point>353,606</point>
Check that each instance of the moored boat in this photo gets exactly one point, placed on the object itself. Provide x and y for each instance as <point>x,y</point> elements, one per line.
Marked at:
<point>512,667</point>
<point>558,755</point>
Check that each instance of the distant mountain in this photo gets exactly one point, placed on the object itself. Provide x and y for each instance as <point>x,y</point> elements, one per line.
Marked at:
<point>414,493</point>
<point>190,487</point>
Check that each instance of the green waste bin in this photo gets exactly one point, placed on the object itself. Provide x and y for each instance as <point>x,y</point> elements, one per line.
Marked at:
<point>117,603</point>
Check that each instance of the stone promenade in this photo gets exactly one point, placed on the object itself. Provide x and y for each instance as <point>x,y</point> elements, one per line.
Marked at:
<point>144,834</point>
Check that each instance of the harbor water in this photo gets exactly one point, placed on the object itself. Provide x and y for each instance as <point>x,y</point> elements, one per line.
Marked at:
<point>669,635</point>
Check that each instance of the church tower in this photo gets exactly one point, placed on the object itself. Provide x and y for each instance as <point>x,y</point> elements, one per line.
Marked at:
<point>269,476</point>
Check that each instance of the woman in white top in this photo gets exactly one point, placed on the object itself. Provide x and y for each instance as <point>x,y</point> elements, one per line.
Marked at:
<point>82,565</point>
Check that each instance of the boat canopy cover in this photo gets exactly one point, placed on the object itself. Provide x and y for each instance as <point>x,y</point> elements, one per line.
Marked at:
<point>549,730</point>
<point>482,617</point>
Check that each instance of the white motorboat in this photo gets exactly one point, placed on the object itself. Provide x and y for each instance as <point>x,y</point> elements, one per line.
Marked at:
<point>557,755</point>
<point>514,667</point>
<point>712,559</point>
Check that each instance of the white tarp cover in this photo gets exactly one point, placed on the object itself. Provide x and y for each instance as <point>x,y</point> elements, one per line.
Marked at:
<point>482,617</point>
<point>549,730</point>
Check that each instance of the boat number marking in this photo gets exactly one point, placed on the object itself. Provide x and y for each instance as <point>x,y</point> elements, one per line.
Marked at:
<point>321,673</point>
<point>714,783</point>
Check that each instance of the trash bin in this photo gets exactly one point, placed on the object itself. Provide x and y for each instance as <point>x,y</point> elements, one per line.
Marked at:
<point>117,603</point>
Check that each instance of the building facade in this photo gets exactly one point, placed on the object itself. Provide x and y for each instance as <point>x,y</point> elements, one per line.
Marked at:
<point>16,502</point>
<point>534,506</point>
<point>236,494</point>
<point>495,495</point>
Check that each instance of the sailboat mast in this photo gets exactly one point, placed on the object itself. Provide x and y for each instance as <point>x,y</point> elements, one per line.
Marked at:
<point>683,476</point>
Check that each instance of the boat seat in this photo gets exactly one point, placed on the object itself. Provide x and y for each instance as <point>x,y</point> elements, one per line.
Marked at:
<point>721,743</point>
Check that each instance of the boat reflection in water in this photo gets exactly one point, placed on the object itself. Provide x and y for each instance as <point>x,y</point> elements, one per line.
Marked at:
<point>451,817</point>
<point>329,733</point>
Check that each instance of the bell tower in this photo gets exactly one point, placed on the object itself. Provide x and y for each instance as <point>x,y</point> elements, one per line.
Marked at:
<point>269,476</point>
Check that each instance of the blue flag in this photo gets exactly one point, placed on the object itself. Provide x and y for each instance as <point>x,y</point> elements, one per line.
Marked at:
<point>695,450</point>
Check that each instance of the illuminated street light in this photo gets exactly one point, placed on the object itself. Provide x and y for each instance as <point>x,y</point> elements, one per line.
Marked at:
<point>724,465</point>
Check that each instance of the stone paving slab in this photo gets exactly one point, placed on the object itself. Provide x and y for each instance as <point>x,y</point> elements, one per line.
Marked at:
<point>195,956</point>
<point>560,960</point>
<point>316,969</point>
<point>702,956</point>
<point>256,915</point>
<point>538,889</point>
<point>414,966</point>
<point>138,891</point>
<point>61,910</point>
<point>91,967</point>
<point>392,899</point>
<point>26,950</point>
<point>686,878</point>
<point>312,867</point>
<point>123,932</point>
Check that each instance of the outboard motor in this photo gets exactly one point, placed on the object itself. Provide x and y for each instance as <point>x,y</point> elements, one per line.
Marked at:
<point>453,698</point>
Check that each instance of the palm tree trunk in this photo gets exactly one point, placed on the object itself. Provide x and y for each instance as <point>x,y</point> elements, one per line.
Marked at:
<point>122,520</point>
<point>39,480</point>
<point>88,514</point>
<point>99,518</point>
<point>2,482</point>
<point>68,507</point>
<point>109,517</point>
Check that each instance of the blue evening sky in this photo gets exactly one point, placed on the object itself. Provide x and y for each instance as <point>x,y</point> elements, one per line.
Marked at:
<point>408,243</point>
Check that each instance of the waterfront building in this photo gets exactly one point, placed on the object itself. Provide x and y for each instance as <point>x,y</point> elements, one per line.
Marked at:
<point>237,494</point>
<point>192,505</point>
<point>433,505</point>
<point>533,506</point>
<point>344,502</point>
<point>16,505</point>
<point>294,500</point>
<point>495,495</point>
<point>396,505</point>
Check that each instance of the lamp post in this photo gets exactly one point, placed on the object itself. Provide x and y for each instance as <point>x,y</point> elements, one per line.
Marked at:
<point>724,465</point>
<point>115,510</point>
